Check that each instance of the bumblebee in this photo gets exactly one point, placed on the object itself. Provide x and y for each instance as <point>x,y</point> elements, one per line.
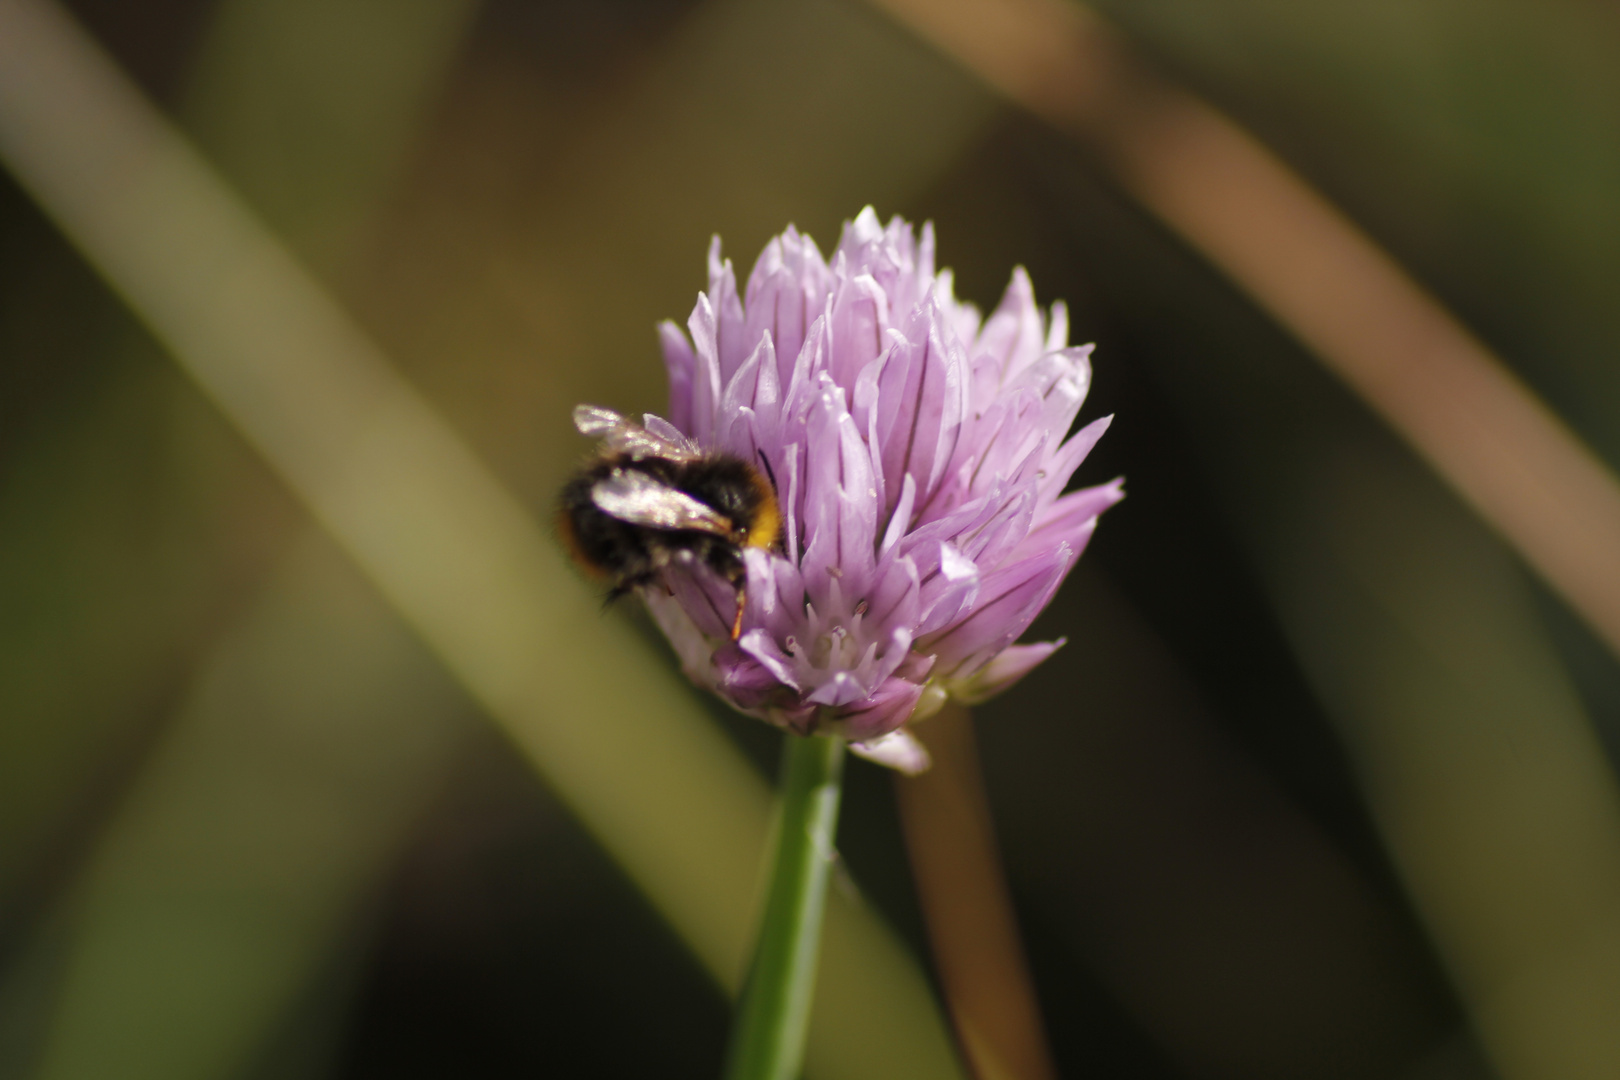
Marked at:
<point>650,497</point>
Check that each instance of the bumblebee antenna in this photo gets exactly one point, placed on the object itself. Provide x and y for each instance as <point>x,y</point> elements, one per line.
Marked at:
<point>765,461</point>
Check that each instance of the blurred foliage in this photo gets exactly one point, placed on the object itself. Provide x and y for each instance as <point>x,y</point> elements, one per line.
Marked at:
<point>1292,796</point>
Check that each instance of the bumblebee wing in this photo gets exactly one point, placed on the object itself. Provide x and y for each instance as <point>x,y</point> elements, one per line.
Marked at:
<point>628,437</point>
<point>660,428</point>
<point>597,422</point>
<point>639,499</point>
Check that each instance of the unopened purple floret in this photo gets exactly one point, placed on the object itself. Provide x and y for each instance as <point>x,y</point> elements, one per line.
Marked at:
<point>919,453</point>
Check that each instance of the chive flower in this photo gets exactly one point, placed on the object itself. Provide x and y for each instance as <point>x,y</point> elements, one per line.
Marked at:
<point>919,454</point>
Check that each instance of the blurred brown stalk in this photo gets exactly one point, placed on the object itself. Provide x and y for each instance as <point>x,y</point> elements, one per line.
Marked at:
<point>971,924</point>
<point>1473,421</point>
<point>1316,272</point>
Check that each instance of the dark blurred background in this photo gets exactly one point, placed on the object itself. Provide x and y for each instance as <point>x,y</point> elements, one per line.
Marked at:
<point>1320,787</point>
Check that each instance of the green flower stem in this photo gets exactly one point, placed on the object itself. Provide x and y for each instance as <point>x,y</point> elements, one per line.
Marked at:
<point>767,1036</point>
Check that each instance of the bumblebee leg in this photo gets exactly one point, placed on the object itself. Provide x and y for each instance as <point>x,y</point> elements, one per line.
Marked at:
<point>742,602</point>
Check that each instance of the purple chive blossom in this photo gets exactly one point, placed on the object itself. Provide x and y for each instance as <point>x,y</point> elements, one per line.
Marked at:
<point>919,455</point>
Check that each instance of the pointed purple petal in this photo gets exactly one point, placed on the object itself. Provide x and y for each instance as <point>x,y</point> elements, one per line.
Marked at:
<point>925,255</point>
<point>758,644</point>
<point>1013,333</point>
<point>705,372</point>
<point>731,343</point>
<point>894,597</point>
<point>900,516</point>
<point>1068,458</point>
<point>965,319</point>
<point>863,407</point>
<point>950,585</point>
<point>678,362</point>
<point>691,647</point>
<point>882,712</point>
<point>860,313</point>
<point>803,387</point>
<point>775,600</point>
<point>991,543</point>
<point>744,680</point>
<point>862,232</point>
<point>787,289</point>
<point>1057,333</point>
<point>841,688</point>
<point>709,600</point>
<point>1070,371</point>
<point>840,501</point>
<point>1069,520</point>
<point>1009,600</point>
<point>752,393</point>
<point>923,402</point>
<point>1010,665</point>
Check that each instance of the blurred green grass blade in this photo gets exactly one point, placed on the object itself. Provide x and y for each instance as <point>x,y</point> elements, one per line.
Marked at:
<point>633,756</point>
<point>1481,765</point>
<point>309,108</point>
<point>113,561</point>
<point>123,543</point>
<point>131,519</point>
<point>280,793</point>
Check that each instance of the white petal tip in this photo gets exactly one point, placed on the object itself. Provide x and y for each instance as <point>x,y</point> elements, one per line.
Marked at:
<point>897,750</point>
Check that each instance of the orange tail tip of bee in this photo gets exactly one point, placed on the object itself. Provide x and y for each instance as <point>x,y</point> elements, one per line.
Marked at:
<point>568,535</point>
